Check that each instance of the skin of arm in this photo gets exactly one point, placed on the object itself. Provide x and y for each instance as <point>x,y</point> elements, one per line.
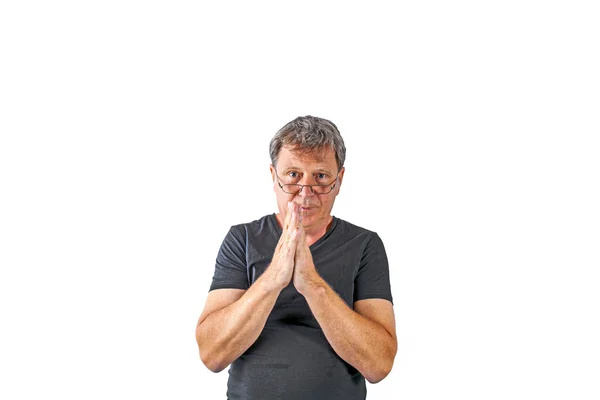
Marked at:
<point>364,337</point>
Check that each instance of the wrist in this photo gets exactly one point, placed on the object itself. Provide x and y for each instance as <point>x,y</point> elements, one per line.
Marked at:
<point>312,286</point>
<point>269,283</point>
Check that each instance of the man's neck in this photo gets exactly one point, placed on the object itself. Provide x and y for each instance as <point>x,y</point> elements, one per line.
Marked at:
<point>313,232</point>
<point>316,232</point>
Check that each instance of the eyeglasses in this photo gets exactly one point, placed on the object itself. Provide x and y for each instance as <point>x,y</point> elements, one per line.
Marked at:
<point>296,188</point>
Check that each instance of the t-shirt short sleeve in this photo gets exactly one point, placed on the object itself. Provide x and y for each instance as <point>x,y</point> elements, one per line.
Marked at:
<point>230,268</point>
<point>373,277</point>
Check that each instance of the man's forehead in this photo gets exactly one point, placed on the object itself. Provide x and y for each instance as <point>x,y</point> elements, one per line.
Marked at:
<point>323,156</point>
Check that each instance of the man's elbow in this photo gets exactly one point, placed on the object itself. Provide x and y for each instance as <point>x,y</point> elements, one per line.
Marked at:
<point>380,371</point>
<point>378,375</point>
<point>214,366</point>
<point>209,358</point>
<point>212,363</point>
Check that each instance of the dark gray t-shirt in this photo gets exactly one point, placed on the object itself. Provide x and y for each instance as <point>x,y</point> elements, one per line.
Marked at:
<point>292,359</point>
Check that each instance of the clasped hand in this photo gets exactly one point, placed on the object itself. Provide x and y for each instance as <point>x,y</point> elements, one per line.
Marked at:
<point>292,259</point>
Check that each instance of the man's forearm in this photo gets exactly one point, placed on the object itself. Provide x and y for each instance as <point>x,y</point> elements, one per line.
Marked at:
<point>227,333</point>
<point>361,342</point>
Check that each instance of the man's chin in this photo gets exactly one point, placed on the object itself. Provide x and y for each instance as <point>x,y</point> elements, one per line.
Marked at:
<point>307,214</point>
<point>310,221</point>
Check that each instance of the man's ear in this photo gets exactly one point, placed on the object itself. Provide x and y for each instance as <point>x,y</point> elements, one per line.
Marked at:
<point>341,176</point>
<point>272,169</point>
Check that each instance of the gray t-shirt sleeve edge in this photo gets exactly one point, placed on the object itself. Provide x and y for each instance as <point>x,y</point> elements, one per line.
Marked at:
<point>230,266</point>
<point>373,279</point>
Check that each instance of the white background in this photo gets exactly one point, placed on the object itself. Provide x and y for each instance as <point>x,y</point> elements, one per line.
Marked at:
<point>134,134</point>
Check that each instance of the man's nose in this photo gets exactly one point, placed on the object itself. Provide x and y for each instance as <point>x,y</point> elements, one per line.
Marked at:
<point>306,191</point>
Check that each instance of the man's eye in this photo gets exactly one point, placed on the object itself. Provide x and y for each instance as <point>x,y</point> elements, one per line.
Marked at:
<point>321,176</point>
<point>292,177</point>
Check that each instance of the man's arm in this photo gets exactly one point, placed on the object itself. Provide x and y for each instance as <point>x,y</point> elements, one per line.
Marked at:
<point>233,319</point>
<point>365,338</point>
<point>231,322</point>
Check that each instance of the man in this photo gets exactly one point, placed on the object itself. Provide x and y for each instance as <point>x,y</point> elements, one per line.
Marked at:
<point>300,305</point>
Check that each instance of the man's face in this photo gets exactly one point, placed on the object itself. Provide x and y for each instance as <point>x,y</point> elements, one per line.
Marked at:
<point>315,168</point>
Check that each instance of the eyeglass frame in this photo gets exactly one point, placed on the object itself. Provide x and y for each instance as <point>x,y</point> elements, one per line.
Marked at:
<point>332,184</point>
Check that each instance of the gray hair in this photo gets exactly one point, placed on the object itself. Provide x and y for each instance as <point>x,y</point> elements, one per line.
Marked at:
<point>307,134</point>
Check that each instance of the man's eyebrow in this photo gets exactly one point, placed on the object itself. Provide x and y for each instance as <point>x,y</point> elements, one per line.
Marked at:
<point>315,171</point>
<point>324,170</point>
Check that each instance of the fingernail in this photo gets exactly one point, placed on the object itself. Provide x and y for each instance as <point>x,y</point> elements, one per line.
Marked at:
<point>289,205</point>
